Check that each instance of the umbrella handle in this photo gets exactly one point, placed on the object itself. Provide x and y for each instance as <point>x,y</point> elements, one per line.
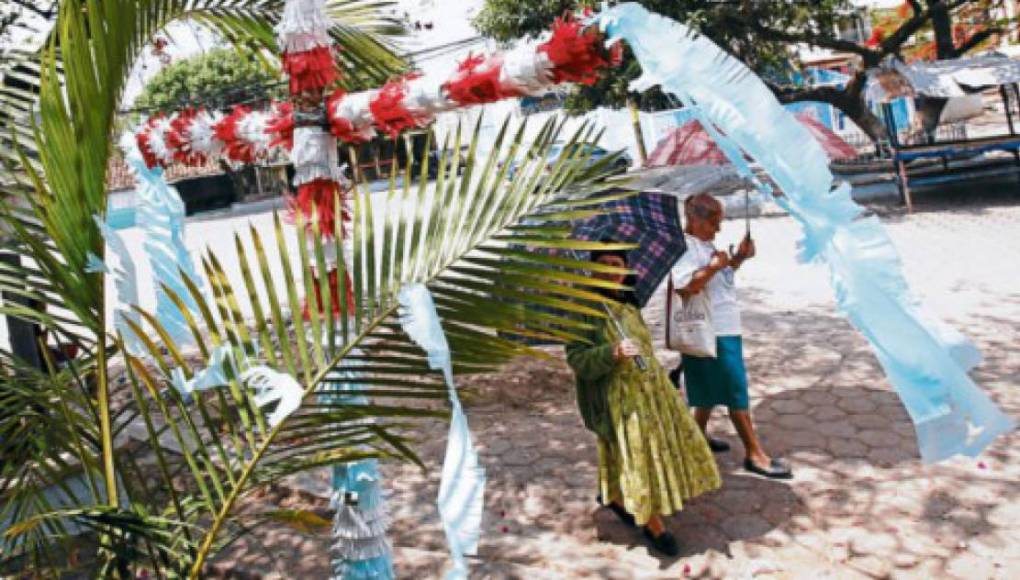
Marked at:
<point>640,362</point>
<point>638,359</point>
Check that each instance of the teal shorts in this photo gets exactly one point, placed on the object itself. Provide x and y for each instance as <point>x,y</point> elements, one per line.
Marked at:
<point>710,382</point>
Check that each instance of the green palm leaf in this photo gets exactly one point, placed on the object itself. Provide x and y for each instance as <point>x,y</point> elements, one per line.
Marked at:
<point>372,357</point>
<point>462,236</point>
<point>55,140</point>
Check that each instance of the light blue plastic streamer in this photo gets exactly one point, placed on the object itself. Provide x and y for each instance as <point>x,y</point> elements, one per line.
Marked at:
<point>160,215</point>
<point>951,414</point>
<point>462,484</point>
<point>214,374</point>
<point>125,280</point>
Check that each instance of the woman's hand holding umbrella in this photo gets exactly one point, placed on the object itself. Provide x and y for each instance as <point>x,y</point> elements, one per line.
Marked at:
<point>625,349</point>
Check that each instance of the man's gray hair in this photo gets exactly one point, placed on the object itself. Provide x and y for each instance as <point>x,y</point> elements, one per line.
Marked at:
<point>702,206</point>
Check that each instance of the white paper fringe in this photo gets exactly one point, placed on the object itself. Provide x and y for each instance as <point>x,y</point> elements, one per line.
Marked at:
<point>315,156</point>
<point>351,524</point>
<point>527,70</point>
<point>252,128</point>
<point>354,108</point>
<point>425,96</point>
<point>271,386</point>
<point>361,549</point>
<point>202,135</point>
<point>303,26</point>
<point>157,140</point>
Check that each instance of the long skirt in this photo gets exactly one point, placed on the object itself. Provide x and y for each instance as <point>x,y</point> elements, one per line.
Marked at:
<point>658,457</point>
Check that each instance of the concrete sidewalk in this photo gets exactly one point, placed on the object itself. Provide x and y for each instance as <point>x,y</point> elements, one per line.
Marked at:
<point>861,504</point>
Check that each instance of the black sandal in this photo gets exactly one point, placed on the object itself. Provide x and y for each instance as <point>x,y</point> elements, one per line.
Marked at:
<point>665,542</point>
<point>777,469</point>
<point>717,445</point>
<point>625,516</point>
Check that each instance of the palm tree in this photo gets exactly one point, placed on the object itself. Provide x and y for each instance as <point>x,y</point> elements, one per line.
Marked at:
<point>462,240</point>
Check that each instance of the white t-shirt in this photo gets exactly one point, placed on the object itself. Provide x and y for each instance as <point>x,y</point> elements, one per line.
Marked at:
<point>721,288</point>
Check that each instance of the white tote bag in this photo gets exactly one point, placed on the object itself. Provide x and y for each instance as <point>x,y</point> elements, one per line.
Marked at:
<point>689,327</point>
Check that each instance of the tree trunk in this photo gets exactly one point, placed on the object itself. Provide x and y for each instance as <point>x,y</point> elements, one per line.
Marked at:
<point>849,100</point>
<point>858,112</point>
<point>942,24</point>
<point>639,135</point>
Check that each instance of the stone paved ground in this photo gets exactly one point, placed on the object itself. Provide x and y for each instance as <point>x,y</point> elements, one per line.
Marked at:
<point>861,504</point>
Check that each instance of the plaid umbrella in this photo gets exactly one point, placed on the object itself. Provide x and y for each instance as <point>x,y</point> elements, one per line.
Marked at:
<point>650,220</point>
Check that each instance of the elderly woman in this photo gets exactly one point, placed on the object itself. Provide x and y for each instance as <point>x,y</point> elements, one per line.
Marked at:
<point>722,380</point>
<point>652,456</point>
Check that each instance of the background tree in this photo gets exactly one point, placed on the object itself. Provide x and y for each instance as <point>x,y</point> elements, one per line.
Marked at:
<point>217,77</point>
<point>948,35</point>
<point>763,34</point>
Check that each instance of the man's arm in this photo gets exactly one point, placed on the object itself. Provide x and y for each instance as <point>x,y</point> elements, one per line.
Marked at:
<point>720,260</point>
<point>744,253</point>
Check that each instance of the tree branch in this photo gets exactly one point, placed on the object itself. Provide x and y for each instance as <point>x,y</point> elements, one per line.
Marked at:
<point>871,57</point>
<point>822,94</point>
<point>909,28</point>
<point>975,39</point>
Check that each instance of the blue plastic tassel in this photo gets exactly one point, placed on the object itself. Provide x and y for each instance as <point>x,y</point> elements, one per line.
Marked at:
<point>462,484</point>
<point>926,363</point>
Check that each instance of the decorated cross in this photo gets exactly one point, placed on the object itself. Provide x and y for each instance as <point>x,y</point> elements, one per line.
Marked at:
<point>317,116</point>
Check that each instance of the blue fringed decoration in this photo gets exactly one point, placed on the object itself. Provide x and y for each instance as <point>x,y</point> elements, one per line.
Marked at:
<point>160,215</point>
<point>926,364</point>
<point>361,550</point>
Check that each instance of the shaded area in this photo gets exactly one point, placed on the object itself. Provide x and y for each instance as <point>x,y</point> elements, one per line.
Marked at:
<point>861,504</point>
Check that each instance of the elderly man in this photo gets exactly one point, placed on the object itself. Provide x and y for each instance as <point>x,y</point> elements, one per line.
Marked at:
<point>711,382</point>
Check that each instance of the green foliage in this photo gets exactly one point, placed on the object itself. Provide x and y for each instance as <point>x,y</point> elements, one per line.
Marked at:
<point>726,23</point>
<point>763,34</point>
<point>224,72</point>
<point>57,133</point>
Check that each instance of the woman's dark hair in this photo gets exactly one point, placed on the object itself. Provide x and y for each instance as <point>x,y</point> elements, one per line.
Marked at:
<point>625,296</point>
<point>596,254</point>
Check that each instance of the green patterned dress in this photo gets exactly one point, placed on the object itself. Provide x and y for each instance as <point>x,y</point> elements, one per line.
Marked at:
<point>652,456</point>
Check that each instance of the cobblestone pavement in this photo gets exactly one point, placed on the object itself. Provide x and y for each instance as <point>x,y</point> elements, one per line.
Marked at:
<point>861,504</point>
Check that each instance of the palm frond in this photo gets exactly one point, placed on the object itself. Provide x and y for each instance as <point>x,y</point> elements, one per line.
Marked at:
<point>55,141</point>
<point>454,235</point>
<point>461,236</point>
